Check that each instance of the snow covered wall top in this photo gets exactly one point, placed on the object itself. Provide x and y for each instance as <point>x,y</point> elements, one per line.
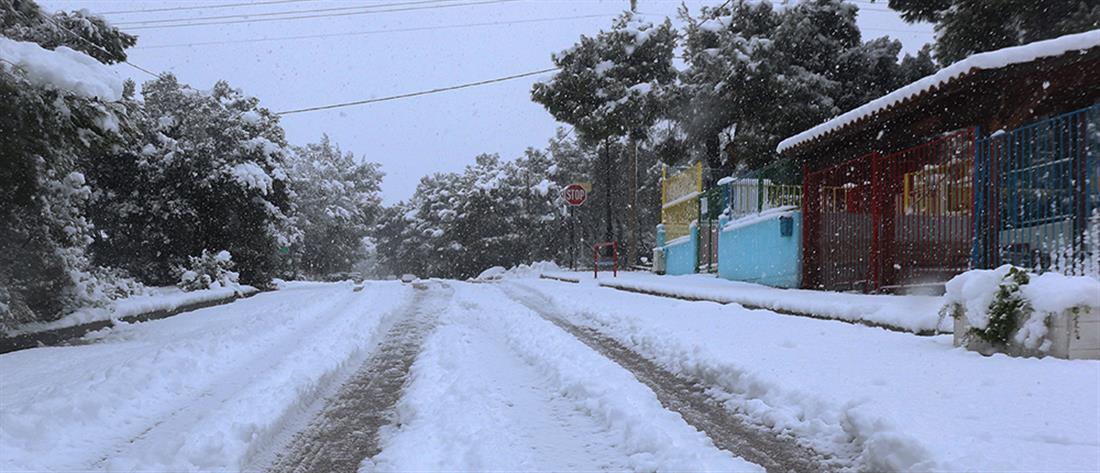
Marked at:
<point>988,60</point>
<point>64,69</point>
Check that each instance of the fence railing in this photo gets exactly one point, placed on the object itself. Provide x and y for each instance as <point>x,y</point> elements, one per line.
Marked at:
<point>924,212</point>
<point>838,231</point>
<point>1029,197</point>
<point>755,195</point>
<point>1038,206</point>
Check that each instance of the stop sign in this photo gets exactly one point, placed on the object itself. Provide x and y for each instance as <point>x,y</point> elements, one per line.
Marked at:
<point>574,194</point>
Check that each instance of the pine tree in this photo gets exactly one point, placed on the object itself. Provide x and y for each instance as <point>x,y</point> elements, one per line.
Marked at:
<point>966,27</point>
<point>336,199</point>
<point>611,86</point>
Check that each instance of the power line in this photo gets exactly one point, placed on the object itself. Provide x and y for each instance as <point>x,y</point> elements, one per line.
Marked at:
<point>327,15</point>
<point>417,94</point>
<point>201,7</point>
<point>369,32</point>
<point>267,14</point>
<point>96,46</point>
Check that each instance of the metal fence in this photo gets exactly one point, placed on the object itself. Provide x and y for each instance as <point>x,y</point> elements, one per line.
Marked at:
<point>679,200</point>
<point>837,231</point>
<point>900,220</point>
<point>1039,203</point>
<point>924,212</point>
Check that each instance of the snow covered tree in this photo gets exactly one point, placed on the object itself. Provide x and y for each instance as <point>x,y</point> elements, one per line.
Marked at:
<point>336,200</point>
<point>208,173</point>
<point>610,86</point>
<point>803,64</point>
<point>23,20</point>
<point>494,213</point>
<point>965,27</point>
<point>58,110</point>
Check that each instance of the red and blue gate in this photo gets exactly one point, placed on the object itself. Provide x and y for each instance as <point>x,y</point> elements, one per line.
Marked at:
<point>1028,197</point>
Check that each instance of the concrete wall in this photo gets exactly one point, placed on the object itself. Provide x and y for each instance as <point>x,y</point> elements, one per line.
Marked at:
<point>754,251</point>
<point>680,254</point>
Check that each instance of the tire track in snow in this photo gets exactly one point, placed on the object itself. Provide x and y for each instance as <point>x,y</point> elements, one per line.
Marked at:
<point>222,388</point>
<point>346,430</point>
<point>726,429</point>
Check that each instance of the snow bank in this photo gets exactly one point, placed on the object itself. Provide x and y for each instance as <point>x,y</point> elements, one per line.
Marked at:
<point>498,388</point>
<point>987,60</point>
<point>203,391</point>
<point>532,270</point>
<point>63,68</point>
<point>910,313</point>
<point>1056,292</point>
<point>155,299</point>
<point>887,401</point>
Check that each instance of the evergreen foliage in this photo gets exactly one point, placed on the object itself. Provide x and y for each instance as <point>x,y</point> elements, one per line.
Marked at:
<point>1008,309</point>
<point>966,27</point>
<point>336,200</point>
<point>802,64</point>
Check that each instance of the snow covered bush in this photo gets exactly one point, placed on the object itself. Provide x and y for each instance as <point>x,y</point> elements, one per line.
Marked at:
<point>208,271</point>
<point>1009,306</point>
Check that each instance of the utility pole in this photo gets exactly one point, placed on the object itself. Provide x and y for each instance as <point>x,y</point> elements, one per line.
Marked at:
<point>632,239</point>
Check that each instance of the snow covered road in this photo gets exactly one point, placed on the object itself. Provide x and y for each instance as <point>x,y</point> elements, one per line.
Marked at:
<point>535,376</point>
<point>206,390</point>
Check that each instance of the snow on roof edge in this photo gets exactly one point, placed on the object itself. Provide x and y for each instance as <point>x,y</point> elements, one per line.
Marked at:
<point>981,61</point>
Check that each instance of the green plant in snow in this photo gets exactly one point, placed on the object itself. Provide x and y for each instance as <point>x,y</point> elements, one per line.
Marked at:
<point>1008,308</point>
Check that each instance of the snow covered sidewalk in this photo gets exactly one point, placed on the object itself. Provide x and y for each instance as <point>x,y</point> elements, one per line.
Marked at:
<point>205,390</point>
<point>498,388</point>
<point>156,299</point>
<point>910,313</point>
<point>886,400</point>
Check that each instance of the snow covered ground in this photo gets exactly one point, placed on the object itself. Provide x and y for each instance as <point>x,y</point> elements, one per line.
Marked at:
<point>911,313</point>
<point>499,388</point>
<point>205,390</point>
<point>889,400</point>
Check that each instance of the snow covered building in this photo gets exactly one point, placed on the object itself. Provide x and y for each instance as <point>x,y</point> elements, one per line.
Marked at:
<point>994,159</point>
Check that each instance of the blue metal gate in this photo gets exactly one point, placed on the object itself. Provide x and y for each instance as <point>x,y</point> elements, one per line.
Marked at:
<point>1037,195</point>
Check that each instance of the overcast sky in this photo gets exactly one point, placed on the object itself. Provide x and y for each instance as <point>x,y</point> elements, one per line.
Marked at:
<point>410,137</point>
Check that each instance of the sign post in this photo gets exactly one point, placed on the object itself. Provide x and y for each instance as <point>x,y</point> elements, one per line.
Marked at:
<point>575,195</point>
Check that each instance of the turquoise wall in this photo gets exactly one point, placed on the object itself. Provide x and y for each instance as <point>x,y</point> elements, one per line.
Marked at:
<point>757,253</point>
<point>680,257</point>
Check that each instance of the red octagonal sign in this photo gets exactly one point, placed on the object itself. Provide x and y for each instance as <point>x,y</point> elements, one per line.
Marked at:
<point>574,194</point>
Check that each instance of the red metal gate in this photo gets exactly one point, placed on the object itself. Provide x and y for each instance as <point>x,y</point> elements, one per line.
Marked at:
<point>924,206</point>
<point>882,222</point>
<point>837,231</point>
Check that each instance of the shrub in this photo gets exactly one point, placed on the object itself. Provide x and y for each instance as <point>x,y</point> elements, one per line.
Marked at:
<point>208,271</point>
<point>1008,309</point>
